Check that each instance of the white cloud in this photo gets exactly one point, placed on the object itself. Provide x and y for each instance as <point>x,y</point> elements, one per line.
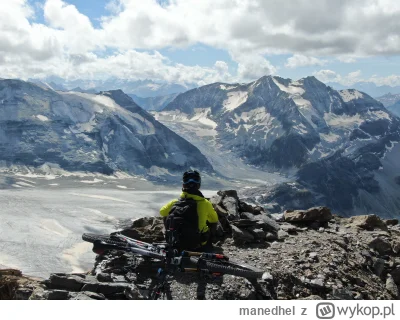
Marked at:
<point>326,75</point>
<point>74,29</point>
<point>252,67</point>
<point>354,77</point>
<point>114,6</point>
<point>347,59</point>
<point>69,46</point>
<point>299,60</point>
<point>222,68</point>
<point>128,64</point>
<point>332,76</point>
<point>124,43</point>
<point>392,80</point>
<point>19,38</point>
<point>320,27</point>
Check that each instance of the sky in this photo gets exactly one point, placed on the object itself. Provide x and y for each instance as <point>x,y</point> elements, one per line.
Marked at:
<point>200,42</point>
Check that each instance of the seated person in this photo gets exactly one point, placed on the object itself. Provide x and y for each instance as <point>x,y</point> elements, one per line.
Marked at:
<point>198,219</point>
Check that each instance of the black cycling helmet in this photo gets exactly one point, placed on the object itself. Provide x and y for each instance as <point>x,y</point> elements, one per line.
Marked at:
<point>191,176</point>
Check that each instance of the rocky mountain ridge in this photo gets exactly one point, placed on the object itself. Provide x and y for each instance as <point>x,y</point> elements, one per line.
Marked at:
<point>340,146</point>
<point>280,123</point>
<point>103,133</point>
<point>339,258</point>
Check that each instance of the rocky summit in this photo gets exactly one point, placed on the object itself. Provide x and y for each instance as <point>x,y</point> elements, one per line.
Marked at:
<point>306,254</point>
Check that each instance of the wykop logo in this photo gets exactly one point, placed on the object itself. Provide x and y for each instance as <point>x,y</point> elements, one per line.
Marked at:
<point>325,310</point>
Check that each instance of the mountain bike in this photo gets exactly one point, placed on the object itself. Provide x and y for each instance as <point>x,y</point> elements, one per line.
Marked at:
<point>173,260</point>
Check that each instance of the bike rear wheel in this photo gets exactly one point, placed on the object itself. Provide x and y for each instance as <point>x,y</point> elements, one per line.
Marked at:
<point>230,267</point>
<point>90,237</point>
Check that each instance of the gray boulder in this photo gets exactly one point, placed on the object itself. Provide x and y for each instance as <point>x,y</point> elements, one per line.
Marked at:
<point>396,246</point>
<point>367,222</point>
<point>242,223</point>
<point>381,245</point>
<point>241,236</point>
<point>320,214</point>
<point>268,223</point>
<point>65,282</point>
<point>282,235</point>
<point>86,295</point>
<point>342,294</point>
<point>57,295</point>
<point>231,205</point>
<point>391,286</point>
<point>259,234</point>
<point>378,266</point>
<point>228,193</point>
<point>396,275</point>
<point>147,229</point>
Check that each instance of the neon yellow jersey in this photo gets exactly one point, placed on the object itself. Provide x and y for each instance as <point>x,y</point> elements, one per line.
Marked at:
<point>205,210</point>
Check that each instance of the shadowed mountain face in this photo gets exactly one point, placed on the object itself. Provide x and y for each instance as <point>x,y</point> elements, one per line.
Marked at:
<point>341,144</point>
<point>86,132</point>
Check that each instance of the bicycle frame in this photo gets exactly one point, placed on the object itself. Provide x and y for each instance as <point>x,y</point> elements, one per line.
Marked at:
<point>173,260</point>
<point>136,243</point>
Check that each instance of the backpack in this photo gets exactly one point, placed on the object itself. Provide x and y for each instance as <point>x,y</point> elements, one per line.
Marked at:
<point>182,225</point>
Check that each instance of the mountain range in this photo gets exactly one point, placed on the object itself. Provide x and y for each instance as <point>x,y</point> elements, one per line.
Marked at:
<point>368,87</point>
<point>105,132</point>
<point>141,88</point>
<point>302,141</point>
<point>340,147</point>
<point>160,90</point>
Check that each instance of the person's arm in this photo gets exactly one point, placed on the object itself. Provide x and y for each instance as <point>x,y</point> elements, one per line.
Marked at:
<point>212,219</point>
<point>164,211</point>
<point>212,216</point>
